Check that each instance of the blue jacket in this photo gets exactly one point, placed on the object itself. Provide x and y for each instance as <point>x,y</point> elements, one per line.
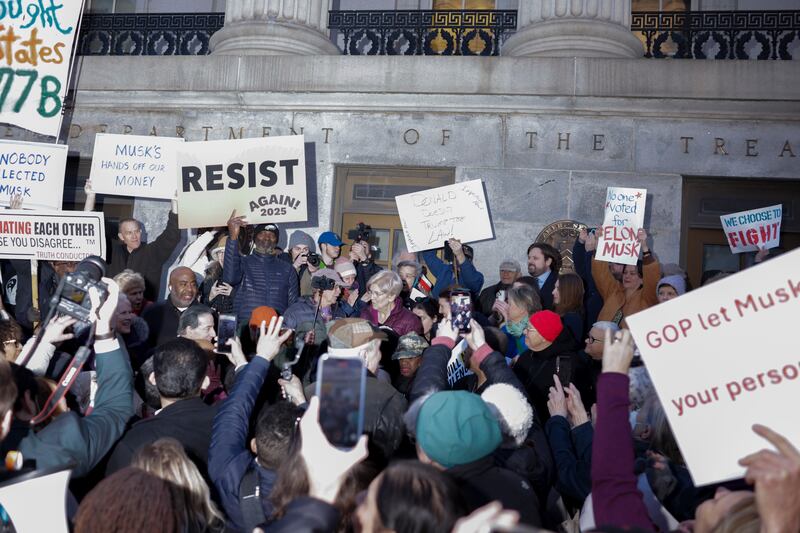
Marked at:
<point>469,277</point>
<point>572,451</point>
<point>260,280</point>
<point>229,456</point>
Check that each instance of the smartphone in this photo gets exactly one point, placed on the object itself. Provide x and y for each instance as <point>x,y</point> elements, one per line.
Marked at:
<point>501,295</point>
<point>226,330</point>
<point>341,389</point>
<point>564,369</point>
<point>461,310</point>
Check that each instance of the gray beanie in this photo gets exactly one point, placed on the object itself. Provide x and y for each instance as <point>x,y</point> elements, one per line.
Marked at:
<point>300,238</point>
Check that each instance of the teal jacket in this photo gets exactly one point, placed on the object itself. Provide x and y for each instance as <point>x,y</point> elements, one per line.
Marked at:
<point>84,441</point>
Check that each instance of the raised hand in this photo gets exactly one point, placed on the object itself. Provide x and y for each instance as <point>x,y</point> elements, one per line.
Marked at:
<point>641,236</point>
<point>556,401</point>
<point>618,352</point>
<point>445,329</point>
<point>575,407</point>
<point>476,337</point>
<point>235,224</point>
<point>270,340</point>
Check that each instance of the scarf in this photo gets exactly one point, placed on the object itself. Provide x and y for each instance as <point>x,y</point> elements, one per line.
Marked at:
<point>517,329</point>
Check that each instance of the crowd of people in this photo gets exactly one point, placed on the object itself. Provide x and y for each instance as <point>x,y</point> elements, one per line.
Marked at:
<point>539,414</point>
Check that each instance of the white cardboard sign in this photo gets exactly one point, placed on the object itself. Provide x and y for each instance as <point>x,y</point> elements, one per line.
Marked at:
<point>54,235</point>
<point>746,231</point>
<point>37,62</point>
<point>263,179</point>
<point>135,165</point>
<point>432,216</point>
<point>33,170</point>
<point>724,357</point>
<point>624,217</point>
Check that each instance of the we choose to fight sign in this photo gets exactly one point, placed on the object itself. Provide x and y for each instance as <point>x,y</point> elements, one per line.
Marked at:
<point>724,357</point>
<point>263,179</point>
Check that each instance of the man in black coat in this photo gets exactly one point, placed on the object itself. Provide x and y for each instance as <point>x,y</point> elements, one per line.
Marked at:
<point>162,318</point>
<point>544,263</point>
<point>509,272</point>
<point>179,372</point>
<point>145,258</point>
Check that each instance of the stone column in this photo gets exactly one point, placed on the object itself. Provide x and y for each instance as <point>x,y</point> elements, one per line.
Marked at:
<point>573,28</point>
<point>274,27</point>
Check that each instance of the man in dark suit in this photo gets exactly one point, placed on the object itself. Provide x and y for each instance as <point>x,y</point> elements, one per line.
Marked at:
<point>179,372</point>
<point>544,263</point>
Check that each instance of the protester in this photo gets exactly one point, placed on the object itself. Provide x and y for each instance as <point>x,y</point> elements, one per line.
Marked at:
<point>163,317</point>
<point>361,255</point>
<point>670,287</point>
<point>409,272</point>
<point>132,285</point>
<point>509,272</point>
<point>386,307</point>
<point>146,258</point>
<point>427,312</point>
<point>594,340</point>
<point>330,247</point>
<point>133,330</point>
<point>260,278</point>
<point>568,302</point>
<point>522,302</point>
<point>465,274</point>
<point>409,357</point>
<point>197,323</point>
<point>321,307</point>
<point>352,291</point>
<point>301,245</point>
<point>214,292</point>
<point>11,336</point>
<point>544,264</point>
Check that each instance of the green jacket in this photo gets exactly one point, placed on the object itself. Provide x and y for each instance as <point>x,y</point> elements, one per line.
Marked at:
<point>84,441</point>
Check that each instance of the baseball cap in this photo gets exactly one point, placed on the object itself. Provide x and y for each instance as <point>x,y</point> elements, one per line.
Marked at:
<point>330,238</point>
<point>330,274</point>
<point>410,345</point>
<point>352,332</point>
<point>509,265</point>
<point>272,228</point>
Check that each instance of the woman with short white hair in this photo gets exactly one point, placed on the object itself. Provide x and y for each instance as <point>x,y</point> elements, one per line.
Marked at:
<point>386,306</point>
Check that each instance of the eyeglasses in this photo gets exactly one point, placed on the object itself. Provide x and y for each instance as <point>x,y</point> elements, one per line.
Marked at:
<point>592,340</point>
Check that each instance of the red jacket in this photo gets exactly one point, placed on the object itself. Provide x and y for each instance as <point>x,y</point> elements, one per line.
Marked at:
<point>401,320</point>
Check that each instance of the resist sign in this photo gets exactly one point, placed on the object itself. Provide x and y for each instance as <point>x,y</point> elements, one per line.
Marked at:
<point>724,357</point>
<point>35,171</point>
<point>135,165</point>
<point>748,230</point>
<point>38,38</point>
<point>263,179</point>
<point>457,211</point>
<point>624,217</point>
<point>55,236</point>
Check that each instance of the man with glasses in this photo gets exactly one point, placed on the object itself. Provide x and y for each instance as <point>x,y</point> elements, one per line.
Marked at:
<point>594,342</point>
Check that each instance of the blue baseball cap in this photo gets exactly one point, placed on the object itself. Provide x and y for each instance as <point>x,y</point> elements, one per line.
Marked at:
<point>330,238</point>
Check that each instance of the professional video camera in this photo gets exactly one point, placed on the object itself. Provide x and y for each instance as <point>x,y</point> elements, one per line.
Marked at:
<point>322,283</point>
<point>361,233</point>
<point>73,291</point>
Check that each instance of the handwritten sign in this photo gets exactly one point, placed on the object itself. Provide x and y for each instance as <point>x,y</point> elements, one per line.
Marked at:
<point>624,217</point>
<point>55,235</point>
<point>455,365</point>
<point>722,358</point>
<point>457,211</point>
<point>35,171</point>
<point>135,165</point>
<point>38,39</point>
<point>264,179</point>
<point>748,230</point>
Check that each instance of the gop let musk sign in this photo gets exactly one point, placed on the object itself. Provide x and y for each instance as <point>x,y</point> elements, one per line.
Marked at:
<point>263,179</point>
<point>624,218</point>
<point>35,171</point>
<point>747,231</point>
<point>723,358</point>
<point>51,235</point>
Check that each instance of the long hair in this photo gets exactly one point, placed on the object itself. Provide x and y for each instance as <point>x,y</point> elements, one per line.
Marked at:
<point>741,518</point>
<point>570,291</point>
<point>166,459</point>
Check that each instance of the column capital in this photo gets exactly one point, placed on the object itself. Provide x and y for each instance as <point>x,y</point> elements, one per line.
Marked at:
<point>574,28</point>
<point>274,27</point>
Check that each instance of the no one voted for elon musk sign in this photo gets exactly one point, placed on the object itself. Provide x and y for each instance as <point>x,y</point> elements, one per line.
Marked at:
<point>238,175</point>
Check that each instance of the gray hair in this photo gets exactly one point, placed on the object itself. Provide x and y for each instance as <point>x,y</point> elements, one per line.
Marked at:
<point>606,325</point>
<point>387,282</point>
<point>526,297</point>
<point>413,264</point>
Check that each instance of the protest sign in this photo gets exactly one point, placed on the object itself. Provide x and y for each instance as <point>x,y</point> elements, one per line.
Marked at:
<point>135,165</point>
<point>747,231</point>
<point>263,179</point>
<point>722,358</point>
<point>458,211</point>
<point>624,218</point>
<point>33,170</point>
<point>54,235</point>
<point>455,365</point>
<point>39,38</point>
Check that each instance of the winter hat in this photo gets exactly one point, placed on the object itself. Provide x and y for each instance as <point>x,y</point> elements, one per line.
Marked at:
<point>344,267</point>
<point>302,238</point>
<point>272,228</point>
<point>512,410</point>
<point>548,324</point>
<point>675,281</point>
<point>456,428</point>
<point>219,246</point>
<point>262,314</point>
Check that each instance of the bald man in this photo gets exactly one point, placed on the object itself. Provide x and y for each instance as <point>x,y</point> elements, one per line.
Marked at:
<point>163,317</point>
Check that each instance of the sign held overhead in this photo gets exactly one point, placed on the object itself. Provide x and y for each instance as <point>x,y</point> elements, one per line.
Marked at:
<point>35,171</point>
<point>623,220</point>
<point>54,235</point>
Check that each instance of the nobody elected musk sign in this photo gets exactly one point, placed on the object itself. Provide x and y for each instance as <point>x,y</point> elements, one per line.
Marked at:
<point>263,179</point>
<point>623,220</point>
<point>723,358</point>
<point>54,235</point>
<point>35,171</point>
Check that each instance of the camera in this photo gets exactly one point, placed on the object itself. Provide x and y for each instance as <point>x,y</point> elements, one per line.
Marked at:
<point>361,233</point>
<point>73,293</point>
<point>322,283</point>
<point>313,259</point>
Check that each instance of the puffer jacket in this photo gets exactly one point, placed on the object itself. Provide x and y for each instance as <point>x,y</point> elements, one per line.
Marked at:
<point>302,312</point>
<point>401,320</point>
<point>259,280</point>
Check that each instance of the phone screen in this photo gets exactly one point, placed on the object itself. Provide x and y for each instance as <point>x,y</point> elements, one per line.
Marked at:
<point>564,369</point>
<point>227,329</point>
<point>341,385</point>
<point>461,311</point>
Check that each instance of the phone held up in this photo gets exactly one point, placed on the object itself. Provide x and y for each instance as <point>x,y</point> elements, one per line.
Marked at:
<point>341,389</point>
<point>461,309</point>
<point>227,329</point>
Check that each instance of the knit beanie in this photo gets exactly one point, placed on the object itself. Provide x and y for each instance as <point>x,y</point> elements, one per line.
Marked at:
<point>548,324</point>
<point>512,410</point>
<point>456,428</point>
<point>301,237</point>
<point>675,281</point>
<point>262,314</point>
<point>344,267</point>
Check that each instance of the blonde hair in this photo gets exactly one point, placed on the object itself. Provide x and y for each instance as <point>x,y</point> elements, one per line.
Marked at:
<point>741,518</point>
<point>387,282</point>
<point>128,279</point>
<point>167,459</point>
